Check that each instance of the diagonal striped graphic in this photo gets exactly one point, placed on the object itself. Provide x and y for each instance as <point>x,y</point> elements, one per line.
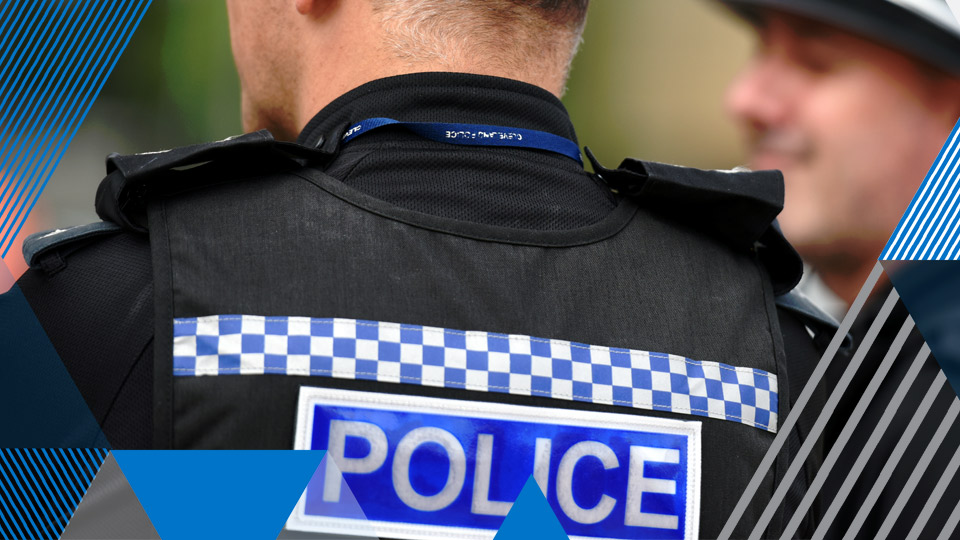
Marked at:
<point>778,443</point>
<point>878,432</point>
<point>54,60</point>
<point>41,488</point>
<point>930,228</point>
<point>855,418</point>
<point>824,417</point>
<point>909,475</point>
<point>912,482</point>
<point>935,496</point>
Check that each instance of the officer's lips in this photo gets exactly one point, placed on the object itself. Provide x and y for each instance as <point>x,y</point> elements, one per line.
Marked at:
<point>776,150</point>
<point>771,160</point>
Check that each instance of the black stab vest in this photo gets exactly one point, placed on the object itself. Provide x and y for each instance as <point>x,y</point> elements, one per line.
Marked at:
<point>687,264</point>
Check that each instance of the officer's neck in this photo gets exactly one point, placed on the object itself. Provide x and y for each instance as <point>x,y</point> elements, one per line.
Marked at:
<point>351,49</point>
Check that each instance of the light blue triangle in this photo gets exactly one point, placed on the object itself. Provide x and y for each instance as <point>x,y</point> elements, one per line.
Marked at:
<point>531,517</point>
<point>347,508</point>
<point>218,493</point>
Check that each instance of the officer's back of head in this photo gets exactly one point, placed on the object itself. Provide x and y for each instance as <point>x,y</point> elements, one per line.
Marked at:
<point>295,57</point>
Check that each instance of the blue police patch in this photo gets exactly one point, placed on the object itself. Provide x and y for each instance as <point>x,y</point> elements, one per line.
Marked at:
<point>424,468</point>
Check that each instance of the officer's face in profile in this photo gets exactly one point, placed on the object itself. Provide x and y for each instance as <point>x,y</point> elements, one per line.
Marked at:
<point>853,125</point>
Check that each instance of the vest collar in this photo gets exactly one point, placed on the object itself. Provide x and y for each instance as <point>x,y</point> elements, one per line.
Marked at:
<point>440,97</point>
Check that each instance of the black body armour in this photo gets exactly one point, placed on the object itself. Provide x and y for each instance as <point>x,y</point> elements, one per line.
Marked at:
<point>276,284</point>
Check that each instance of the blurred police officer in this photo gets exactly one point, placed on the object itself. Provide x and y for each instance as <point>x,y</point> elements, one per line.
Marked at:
<point>853,100</point>
<point>438,190</point>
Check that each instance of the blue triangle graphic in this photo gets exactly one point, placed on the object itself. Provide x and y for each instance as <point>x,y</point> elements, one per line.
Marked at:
<point>218,493</point>
<point>531,517</point>
<point>347,508</point>
<point>930,290</point>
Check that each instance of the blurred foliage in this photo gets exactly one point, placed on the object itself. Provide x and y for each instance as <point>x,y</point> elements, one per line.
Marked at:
<point>649,80</point>
<point>176,82</point>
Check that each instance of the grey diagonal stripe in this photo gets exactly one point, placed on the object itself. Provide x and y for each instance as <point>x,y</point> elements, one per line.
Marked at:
<point>935,496</point>
<point>919,469</point>
<point>824,416</point>
<point>801,402</point>
<point>954,518</point>
<point>110,509</point>
<point>880,429</point>
<point>911,483</point>
<point>855,417</point>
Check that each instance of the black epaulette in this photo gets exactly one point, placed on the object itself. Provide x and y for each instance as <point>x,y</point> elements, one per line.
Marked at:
<point>42,249</point>
<point>819,322</point>
<point>133,179</point>
<point>736,207</point>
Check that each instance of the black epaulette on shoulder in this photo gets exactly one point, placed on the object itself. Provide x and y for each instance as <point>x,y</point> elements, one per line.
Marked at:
<point>37,245</point>
<point>736,207</point>
<point>133,179</point>
<point>819,322</point>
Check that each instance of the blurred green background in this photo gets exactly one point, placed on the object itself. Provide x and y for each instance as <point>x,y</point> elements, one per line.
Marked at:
<point>648,83</point>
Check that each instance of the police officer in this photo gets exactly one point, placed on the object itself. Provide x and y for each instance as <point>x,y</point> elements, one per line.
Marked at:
<point>429,280</point>
<point>853,100</point>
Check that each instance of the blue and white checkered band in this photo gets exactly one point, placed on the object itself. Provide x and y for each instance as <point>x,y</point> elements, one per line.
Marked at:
<point>481,361</point>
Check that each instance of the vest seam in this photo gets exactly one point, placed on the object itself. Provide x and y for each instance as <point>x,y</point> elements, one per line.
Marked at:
<point>608,227</point>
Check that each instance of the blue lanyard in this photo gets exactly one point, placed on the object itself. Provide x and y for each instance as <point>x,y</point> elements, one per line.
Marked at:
<point>474,135</point>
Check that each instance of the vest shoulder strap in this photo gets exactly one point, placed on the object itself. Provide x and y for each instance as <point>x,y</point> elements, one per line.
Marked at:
<point>736,207</point>
<point>39,244</point>
<point>134,179</point>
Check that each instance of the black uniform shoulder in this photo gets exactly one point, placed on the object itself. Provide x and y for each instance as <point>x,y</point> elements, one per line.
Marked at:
<point>38,246</point>
<point>134,179</point>
<point>819,323</point>
<point>91,289</point>
<point>737,207</point>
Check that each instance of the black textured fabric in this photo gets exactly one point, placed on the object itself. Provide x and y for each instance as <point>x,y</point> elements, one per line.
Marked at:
<point>96,305</point>
<point>507,187</point>
<point>800,346</point>
<point>636,280</point>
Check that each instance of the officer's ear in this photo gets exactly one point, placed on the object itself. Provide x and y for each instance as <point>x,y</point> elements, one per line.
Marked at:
<point>953,89</point>
<point>944,95</point>
<point>313,8</point>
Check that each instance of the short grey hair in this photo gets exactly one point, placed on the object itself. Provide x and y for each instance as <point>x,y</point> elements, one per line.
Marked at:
<point>514,34</point>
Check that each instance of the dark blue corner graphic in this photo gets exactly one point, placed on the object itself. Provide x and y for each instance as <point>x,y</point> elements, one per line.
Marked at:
<point>218,493</point>
<point>930,291</point>
<point>531,517</point>
<point>41,488</point>
<point>54,59</point>
<point>41,405</point>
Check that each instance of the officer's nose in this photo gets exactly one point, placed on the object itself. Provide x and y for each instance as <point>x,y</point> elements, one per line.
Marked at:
<point>759,96</point>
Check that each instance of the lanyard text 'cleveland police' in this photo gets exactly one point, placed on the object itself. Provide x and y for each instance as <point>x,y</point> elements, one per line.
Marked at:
<point>474,135</point>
